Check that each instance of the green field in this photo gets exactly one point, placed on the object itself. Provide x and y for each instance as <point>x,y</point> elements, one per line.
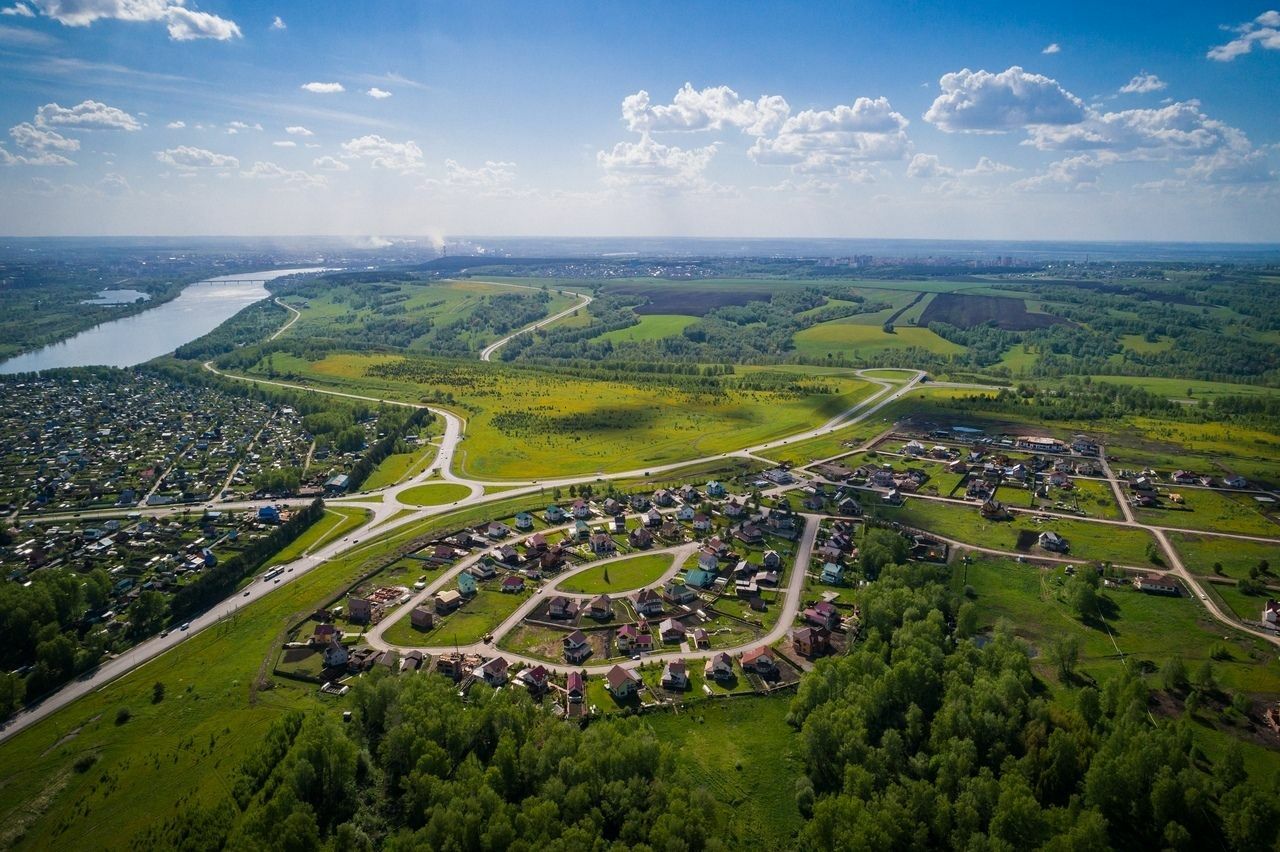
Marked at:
<point>337,522</point>
<point>1205,509</point>
<point>528,423</point>
<point>398,467</point>
<point>622,576</point>
<point>747,756</point>
<point>1101,542</point>
<point>469,624</point>
<point>863,334</point>
<point>651,327</point>
<point>434,494</point>
<point>1138,627</point>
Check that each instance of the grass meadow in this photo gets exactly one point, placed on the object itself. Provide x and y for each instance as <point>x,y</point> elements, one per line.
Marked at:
<point>623,576</point>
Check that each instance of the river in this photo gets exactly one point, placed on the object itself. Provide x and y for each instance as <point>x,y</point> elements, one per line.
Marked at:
<point>198,310</point>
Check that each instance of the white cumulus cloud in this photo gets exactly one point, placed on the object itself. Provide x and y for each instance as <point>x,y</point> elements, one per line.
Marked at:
<point>323,88</point>
<point>1263,31</point>
<point>183,24</point>
<point>285,143</point>
<point>277,23</point>
<point>983,102</point>
<point>86,115</point>
<point>712,108</point>
<point>187,157</point>
<point>288,177</point>
<point>21,10</point>
<point>1143,83</point>
<point>378,94</point>
<point>832,141</point>
<point>176,125</point>
<point>330,164</point>
<point>383,153</point>
<point>650,163</point>
<point>298,130</point>
<point>1051,49</point>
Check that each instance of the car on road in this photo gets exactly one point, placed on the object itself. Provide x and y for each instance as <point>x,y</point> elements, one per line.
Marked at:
<point>164,633</point>
<point>186,625</point>
<point>246,594</point>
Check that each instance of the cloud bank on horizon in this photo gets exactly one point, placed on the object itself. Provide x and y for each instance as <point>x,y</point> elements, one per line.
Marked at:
<point>1057,140</point>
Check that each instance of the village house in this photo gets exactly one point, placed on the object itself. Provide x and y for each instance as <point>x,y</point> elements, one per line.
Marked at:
<point>715,489</point>
<point>675,676</point>
<point>612,506</point>
<point>494,672</point>
<point>561,607</point>
<point>508,555</point>
<point>913,448</point>
<point>733,509</point>
<point>1156,584</point>
<point>362,610</point>
<point>811,641</point>
<point>671,531</point>
<point>689,494</point>
<point>823,614</point>
<point>993,510</point>
<point>676,592</point>
<point>482,570</point>
<point>467,585</point>
<point>552,559</point>
<point>640,538</point>
<point>699,578</point>
<point>652,518</point>
<point>618,524</point>
<point>701,522</point>
<point>422,618</point>
<point>639,502</point>
<point>534,679</point>
<point>576,648</point>
<point>524,521</point>
<point>622,683</point>
<point>1051,541</point>
<point>1271,612</point>
<point>581,530</point>
<point>671,630</point>
<point>581,509</point>
<point>625,637</point>
<point>536,543</point>
<point>554,514</point>
<point>602,544</point>
<point>575,687</point>
<point>748,533</point>
<point>648,602</point>
<point>497,530</point>
<point>719,667</point>
<point>335,654</point>
<point>663,497</point>
<point>832,574</point>
<point>448,600</point>
<point>513,584</point>
<point>759,660</point>
<point>771,559</point>
<point>685,513</point>
<point>601,608</point>
<point>701,639</point>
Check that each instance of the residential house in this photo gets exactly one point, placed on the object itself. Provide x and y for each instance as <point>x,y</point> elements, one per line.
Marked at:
<point>497,530</point>
<point>449,599</point>
<point>1157,584</point>
<point>483,570</point>
<point>602,544</point>
<point>640,538</point>
<point>652,518</point>
<point>622,683</point>
<point>1235,480</point>
<point>1183,477</point>
<point>362,610</point>
<point>618,524</point>
<point>576,687</point>
<point>913,448</point>
<point>422,618</point>
<point>581,530</point>
<point>581,509</point>
<point>748,533</point>
<point>648,602</point>
<point>335,653</point>
<point>639,502</point>
<point>552,559</point>
<point>535,679</point>
<point>719,667</point>
<point>850,506</point>
<point>625,637</point>
<point>701,638</point>
<point>834,471</point>
<point>467,585</point>
<point>663,497</point>
<point>561,607</point>
<point>670,531</point>
<point>536,543</point>
<point>771,559</point>
<point>708,560</point>
<point>701,522</point>
<point>676,592</point>
<point>554,514</point>
<point>494,672</point>
<point>759,660</point>
<point>823,614</point>
<point>575,646</point>
<point>811,641</point>
<point>733,509</point>
<point>714,489</point>
<point>671,630</point>
<point>1050,540</point>
<point>1271,612</point>
<point>524,521</point>
<point>689,494</point>
<point>675,676</point>
<point>508,555</point>
<point>699,578</point>
<point>513,584</point>
<point>832,574</point>
<point>612,506</point>
<point>601,607</point>
<point>993,510</point>
<point>685,513</point>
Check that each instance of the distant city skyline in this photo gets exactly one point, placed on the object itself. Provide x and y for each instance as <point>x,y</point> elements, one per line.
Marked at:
<point>988,121</point>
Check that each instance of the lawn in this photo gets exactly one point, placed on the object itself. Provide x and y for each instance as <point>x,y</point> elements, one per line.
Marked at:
<point>1200,552</point>
<point>337,522</point>
<point>747,756</point>
<point>624,575</point>
<point>1100,542</point>
<point>1205,509</point>
<point>434,494</point>
<point>469,624</point>
<point>530,423</point>
<point>651,327</point>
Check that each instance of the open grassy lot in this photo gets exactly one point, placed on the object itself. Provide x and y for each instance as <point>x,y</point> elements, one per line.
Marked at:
<point>1206,509</point>
<point>398,467</point>
<point>651,327</point>
<point>1132,628</point>
<point>434,493</point>
<point>1188,388</point>
<point>864,334</point>
<point>337,522</point>
<point>466,625</point>
<point>1200,552</point>
<point>1101,542</point>
<point>835,443</point>
<point>747,756</point>
<point>528,423</point>
<point>622,576</point>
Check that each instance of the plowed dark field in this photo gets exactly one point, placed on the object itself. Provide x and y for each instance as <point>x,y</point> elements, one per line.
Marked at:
<point>691,301</point>
<point>970,311</point>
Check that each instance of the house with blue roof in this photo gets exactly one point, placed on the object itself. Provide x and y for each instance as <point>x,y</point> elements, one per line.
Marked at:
<point>699,578</point>
<point>832,574</point>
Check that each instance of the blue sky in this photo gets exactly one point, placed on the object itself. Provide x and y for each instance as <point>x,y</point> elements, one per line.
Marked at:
<point>982,120</point>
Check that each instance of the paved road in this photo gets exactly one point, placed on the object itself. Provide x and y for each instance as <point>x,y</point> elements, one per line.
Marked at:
<point>487,353</point>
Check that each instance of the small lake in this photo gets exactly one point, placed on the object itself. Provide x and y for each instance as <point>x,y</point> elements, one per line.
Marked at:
<point>128,341</point>
<point>117,297</point>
